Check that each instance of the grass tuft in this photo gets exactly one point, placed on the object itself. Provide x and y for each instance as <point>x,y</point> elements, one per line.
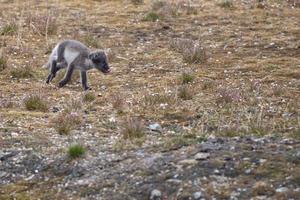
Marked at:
<point>185,92</point>
<point>76,151</point>
<point>191,50</point>
<point>3,63</point>
<point>36,103</point>
<point>151,16</point>
<point>118,102</point>
<point>9,29</point>
<point>229,95</point>
<point>65,122</point>
<point>133,128</point>
<point>226,4</point>
<point>137,2</point>
<point>187,78</point>
<point>89,97</point>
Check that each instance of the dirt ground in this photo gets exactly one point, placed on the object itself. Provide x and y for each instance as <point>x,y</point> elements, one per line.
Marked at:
<point>228,120</point>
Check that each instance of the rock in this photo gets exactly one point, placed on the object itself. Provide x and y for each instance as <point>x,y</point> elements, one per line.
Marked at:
<point>282,189</point>
<point>202,156</point>
<point>207,147</point>
<point>155,195</point>
<point>297,154</point>
<point>197,195</point>
<point>2,174</point>
<point>155,127</point>
<point>188,162</point>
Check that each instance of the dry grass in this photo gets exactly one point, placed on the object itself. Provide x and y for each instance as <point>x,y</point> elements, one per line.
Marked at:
<point>24,72</point>
<point>137,2</point>
<point>185,92</point>
<point>42,24</point>
<point>65,122</point>
<point>192,51</point>
<point>133,128</point>
<point>226,3</point>
<point>118,102</point>
<point>3,62</point>
<point>186,78</point>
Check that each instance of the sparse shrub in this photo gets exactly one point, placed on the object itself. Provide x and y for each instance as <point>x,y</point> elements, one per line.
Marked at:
<point>229,95</point>
<point>133,128</point>
<point>35,102</point>
<point>191,51</point>
<point>207,83</point>
<point>158,4</point>
<point>89,97</point>
<point>226,3</point>
<point>76,151</point>
<point>190,10</point>
<point>195,54</point>
<point>118,102</point>
<point>151,16</point>
<point>65,122</point>
<point>3,63</point>
<point>185,92</point>
<point>73,105</point>
<point>43,24</point>
<point>9,29</point>
<point>167,9</point>
<point>137,2</point>
<point>296,134</point>
<point>262,188</point>
<point>187,78</point>
<point>22,72</point>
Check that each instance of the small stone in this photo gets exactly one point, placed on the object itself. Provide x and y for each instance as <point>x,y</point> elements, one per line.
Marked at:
<point>188,162</point>
<point>2,174</point>
<point>174,180</point>
<point>261,161</point>
<point>112,119</point>
<point>202,156</point>
<point>155,195</point>
<point>216,171</point>
<point>155,127</point>
<point>282,189</point>
<point>55,109</point>
<point>197,195</point>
